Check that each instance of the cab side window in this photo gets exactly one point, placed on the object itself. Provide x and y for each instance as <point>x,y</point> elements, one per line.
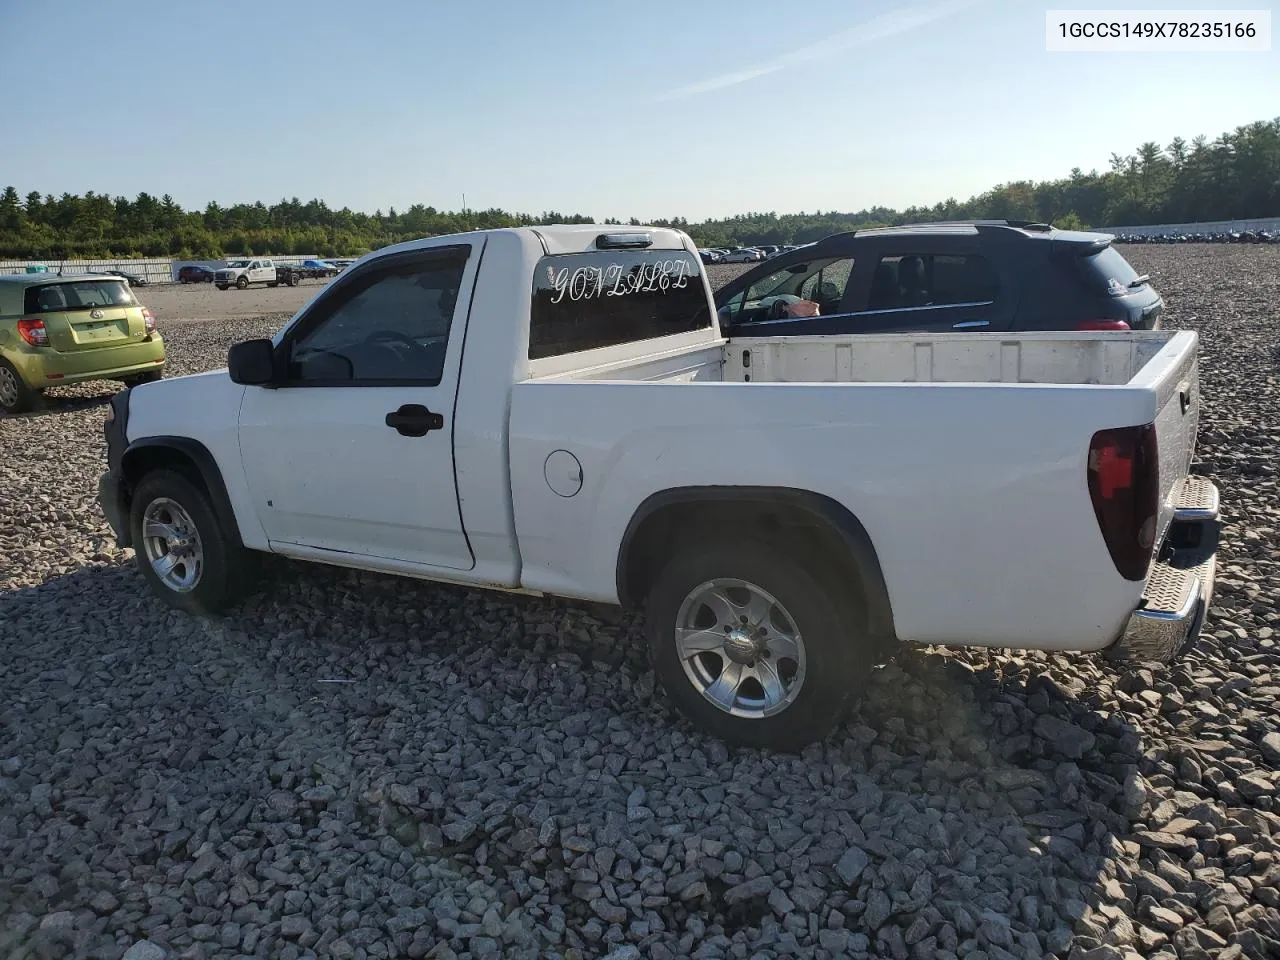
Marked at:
<point>391,325</point>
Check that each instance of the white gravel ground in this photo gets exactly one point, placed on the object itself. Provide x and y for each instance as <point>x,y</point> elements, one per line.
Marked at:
<point>495,777</point>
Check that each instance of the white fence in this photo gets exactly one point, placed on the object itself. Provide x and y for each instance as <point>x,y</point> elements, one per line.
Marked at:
<point>153,271</point>
<point>1214,226</point>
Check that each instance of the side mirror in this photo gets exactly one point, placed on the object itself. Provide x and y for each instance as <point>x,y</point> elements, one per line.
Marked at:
<point>252,362</point>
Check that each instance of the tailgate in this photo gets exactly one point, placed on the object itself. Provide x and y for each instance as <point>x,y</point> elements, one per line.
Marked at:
<point>1174,374</point>
<point>87,314</point>
<point>70,331</point>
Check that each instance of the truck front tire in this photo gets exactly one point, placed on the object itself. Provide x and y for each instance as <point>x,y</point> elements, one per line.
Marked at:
<point>182,551</point>
<point>753,646</point>
<point>241,282</point>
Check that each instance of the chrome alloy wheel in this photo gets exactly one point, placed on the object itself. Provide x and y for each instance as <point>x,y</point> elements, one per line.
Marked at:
<point>740,648</point>
<point>172,545</point>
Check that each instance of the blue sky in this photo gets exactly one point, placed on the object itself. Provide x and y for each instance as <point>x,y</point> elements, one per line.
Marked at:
<point>652,109</point>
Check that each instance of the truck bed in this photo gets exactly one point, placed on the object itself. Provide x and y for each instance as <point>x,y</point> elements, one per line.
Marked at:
<point>1063,358</point>
<point>976,443</point>
<point>1045,358</point>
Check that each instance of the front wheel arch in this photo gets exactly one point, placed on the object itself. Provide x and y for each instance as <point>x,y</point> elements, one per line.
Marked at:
<point>193,460</point>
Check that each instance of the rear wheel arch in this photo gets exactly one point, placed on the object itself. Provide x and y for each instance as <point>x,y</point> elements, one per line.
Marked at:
<point>788,516</point>
<point>188,457</point>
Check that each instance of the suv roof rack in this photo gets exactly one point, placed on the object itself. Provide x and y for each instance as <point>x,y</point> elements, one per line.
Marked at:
<point>1010,224</point>
<point>940,226</point>
<point>1032,225</point>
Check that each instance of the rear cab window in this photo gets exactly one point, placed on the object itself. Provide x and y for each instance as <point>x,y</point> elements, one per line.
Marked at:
<point>77,295</point>
<point>584,301</point>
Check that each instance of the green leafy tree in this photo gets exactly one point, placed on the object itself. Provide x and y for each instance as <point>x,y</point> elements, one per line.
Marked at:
<point>1235,175</point>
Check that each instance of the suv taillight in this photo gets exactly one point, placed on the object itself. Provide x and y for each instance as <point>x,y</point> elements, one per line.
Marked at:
<point>33,332</point>
<point>1102,325</point>
<point>149,319</point>
<point>1124,485</point>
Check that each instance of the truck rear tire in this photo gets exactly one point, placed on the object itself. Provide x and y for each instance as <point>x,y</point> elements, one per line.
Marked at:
<point>182,551</point>
<point>752,645</point>
<point>293,280</point>
<point>241,282</point>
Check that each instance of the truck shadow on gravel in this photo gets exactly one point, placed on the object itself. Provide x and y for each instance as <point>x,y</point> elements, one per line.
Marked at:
<point>448,741</point>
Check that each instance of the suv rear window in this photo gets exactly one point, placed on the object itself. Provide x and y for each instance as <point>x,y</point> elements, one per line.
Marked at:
<point>77,295</point>
<point>582,301</point>
<point>1108,271</point>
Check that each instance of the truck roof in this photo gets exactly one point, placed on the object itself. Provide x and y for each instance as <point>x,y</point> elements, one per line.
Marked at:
<point>560,238</point>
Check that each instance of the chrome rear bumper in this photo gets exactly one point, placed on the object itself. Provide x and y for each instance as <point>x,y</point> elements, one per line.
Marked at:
<point>1179,586</point>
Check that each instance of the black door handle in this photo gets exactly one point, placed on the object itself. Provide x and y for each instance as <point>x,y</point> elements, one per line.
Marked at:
<point>414,420</point>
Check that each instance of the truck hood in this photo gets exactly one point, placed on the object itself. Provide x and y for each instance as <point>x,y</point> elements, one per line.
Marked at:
<point>182,406</point>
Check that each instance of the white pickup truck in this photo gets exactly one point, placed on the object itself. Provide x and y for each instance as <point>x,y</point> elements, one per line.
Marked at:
<point>554,410</point>
<point>241,273</point>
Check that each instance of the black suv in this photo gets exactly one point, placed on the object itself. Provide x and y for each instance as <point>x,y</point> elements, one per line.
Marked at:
<point>978,275</point>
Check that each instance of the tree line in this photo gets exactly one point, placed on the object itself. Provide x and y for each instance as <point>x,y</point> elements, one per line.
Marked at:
<point>1234,176</point>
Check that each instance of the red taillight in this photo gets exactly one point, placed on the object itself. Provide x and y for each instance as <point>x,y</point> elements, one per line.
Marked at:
<point>1102,325</point>
<point>33,332</point>
<point>1124,485</point>
<point>149,319</point>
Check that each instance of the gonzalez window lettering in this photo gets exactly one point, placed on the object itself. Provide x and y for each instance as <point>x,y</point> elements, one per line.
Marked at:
<point>617,280</point>
<point>582,301</point>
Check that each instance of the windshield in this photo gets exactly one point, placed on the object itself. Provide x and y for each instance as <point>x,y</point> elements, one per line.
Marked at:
<point>237,263</point>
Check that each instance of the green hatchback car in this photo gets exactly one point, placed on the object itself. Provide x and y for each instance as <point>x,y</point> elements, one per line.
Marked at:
<point>56,330</point>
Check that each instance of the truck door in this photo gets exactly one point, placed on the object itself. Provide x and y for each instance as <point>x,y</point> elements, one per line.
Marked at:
<point>353,452</point>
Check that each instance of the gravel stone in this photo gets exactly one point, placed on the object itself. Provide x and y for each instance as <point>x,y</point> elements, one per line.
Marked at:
<point>1067,738</point>
<point>321,794</point>
<point>780,902</point>
<point>498,776</point>
<point>145,950</point>
<point>851,864</point>
<point>1269,744</point>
